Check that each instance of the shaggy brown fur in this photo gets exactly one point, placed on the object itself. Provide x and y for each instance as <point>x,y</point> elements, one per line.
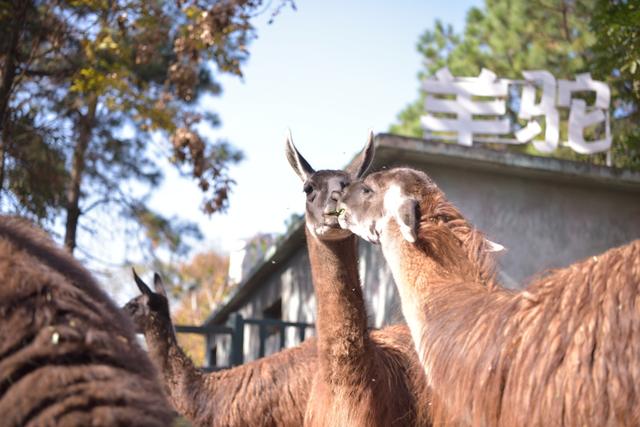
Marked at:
<point>68,356</point>
<point>363,380</point>
<point>272,391</point>
<point>564,351</point>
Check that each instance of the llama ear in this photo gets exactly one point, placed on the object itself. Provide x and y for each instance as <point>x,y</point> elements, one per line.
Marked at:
<point>360,165</point>
<point>158,285</point>
<point>493,246</point>
<point>407,217</point>
<point>144,289</point>
<point>297,162</point>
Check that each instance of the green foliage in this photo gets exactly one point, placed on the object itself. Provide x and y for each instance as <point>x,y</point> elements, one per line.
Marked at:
<point>181,422</point>
<point>409,120</point>
<point>35,171</point>
<point>92,92</point>
<point>616,25</point>
<point>161,231</point>
<point>566,38</point>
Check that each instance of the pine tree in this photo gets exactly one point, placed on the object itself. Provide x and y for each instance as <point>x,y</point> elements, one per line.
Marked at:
<point>564,37</point>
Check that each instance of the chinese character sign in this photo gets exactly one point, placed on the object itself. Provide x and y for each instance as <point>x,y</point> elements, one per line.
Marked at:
<point>467,109</point>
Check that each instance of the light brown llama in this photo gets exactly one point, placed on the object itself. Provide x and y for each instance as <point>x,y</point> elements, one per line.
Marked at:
<point>271,391</point>
<point>564,351</point>
<point>68,355</point>
<point>362,379</point>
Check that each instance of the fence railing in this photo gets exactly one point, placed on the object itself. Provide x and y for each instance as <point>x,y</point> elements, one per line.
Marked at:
<point>235,329</point>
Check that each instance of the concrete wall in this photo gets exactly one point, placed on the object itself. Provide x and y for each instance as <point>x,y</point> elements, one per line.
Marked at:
<point>543,223</point>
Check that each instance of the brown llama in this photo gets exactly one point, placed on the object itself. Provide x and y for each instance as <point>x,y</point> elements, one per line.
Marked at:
<point>68,355</point>
<point>279,384</point>
<point>271,391</point>
<point>362,379</point>
<point>564,351</point>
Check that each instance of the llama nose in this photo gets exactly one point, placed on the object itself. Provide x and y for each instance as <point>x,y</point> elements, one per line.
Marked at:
<point>335,195</point>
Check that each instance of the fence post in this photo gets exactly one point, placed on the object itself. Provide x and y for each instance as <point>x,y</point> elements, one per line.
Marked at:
<point>237,340</point>
<point>282,336</point>
<point>302,331</point>
<point>263,337</point>
<point>207,355</point>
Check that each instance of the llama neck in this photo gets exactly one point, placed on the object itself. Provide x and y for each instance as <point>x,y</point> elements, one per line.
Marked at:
<point>421,275</point>
<point>341,319</point>
<point>446,308</point>
<point>180,375</point>
<point>226,397</point>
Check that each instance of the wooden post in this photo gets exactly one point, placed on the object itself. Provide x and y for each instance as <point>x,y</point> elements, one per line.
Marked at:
<point>237,340</point>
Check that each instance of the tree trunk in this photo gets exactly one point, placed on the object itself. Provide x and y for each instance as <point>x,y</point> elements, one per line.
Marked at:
<point>85,127</point>
<point>8,76</point>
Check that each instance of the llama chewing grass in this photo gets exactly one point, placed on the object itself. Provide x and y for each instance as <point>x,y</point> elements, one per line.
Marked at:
<point>68,355</point>
<point>563,351</point>
<point>363,379</point>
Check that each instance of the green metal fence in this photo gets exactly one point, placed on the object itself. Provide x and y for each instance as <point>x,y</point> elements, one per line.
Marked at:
<point>235,329</point>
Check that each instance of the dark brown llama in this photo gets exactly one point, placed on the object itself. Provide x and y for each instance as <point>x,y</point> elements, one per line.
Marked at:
<point>272,391</point>
<point>68,355</point>
<point>362,379</point>
<point>564,351</point>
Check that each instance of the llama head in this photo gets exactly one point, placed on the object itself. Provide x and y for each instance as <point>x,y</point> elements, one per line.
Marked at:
<point>323,189</point>
<point>400,195</point>
<point>149,307</point>
<point>368,205</point>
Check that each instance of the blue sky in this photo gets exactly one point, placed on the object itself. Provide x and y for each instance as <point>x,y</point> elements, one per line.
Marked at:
<point>329,71</point>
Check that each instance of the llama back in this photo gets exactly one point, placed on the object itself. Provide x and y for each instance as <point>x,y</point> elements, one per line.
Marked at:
<point>589,372</point>
<point>68,356</point>
<point>566,351</point>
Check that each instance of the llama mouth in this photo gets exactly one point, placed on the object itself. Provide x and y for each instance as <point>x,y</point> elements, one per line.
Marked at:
<point>336,213</point>
<point>332,221</point>
<point>332,218</point>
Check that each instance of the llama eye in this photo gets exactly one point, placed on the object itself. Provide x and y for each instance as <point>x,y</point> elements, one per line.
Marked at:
<point>307,189</point>
<point>343,185</point>
<point>366,190</point>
